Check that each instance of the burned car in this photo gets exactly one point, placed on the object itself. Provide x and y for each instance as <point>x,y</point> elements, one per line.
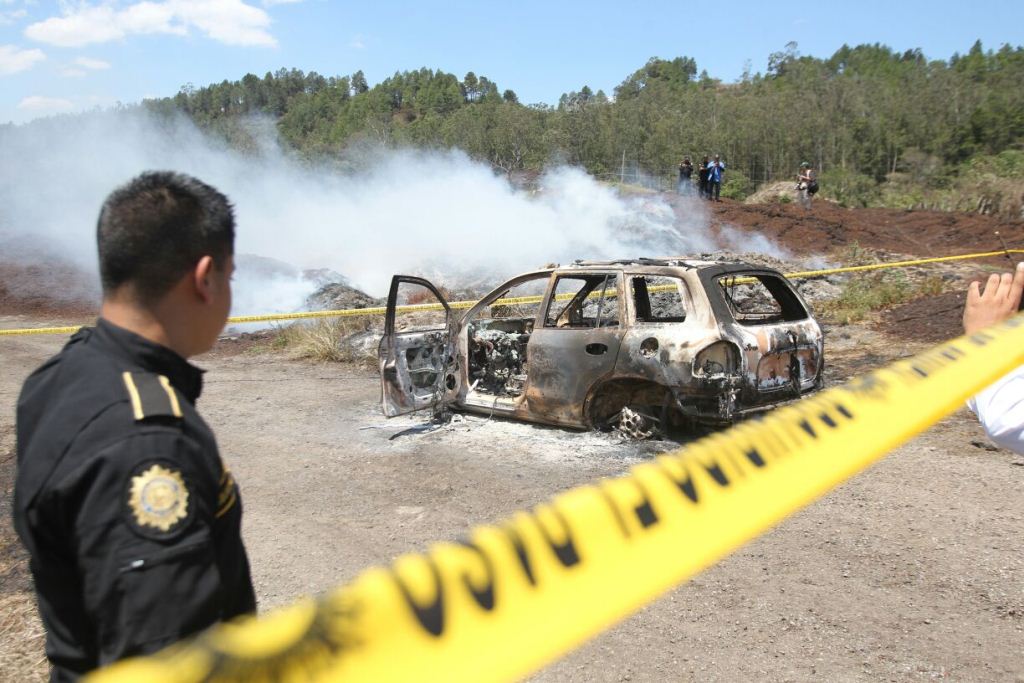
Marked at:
<point>644,345</point>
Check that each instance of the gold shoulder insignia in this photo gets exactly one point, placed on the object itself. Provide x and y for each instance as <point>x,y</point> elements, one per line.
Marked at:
<point>151,395</point>
<point>158,499</point>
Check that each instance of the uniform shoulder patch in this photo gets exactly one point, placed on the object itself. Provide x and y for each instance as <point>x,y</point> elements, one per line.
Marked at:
<point>151,395</point>
<point>158,500</point>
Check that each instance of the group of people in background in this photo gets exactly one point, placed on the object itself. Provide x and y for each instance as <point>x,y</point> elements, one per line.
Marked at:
<point>710,173</point>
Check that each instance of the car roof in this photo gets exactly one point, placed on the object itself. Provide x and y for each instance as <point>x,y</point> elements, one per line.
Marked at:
<point>670,262</point>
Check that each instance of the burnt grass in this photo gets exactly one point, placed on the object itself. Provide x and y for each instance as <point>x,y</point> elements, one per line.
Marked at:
<point>932,319</point>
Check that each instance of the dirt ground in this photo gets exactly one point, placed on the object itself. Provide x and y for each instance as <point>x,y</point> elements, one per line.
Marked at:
<point>828,227</point>
<point>910,571</point>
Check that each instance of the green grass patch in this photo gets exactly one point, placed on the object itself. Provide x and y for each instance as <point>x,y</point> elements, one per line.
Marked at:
<point>864,294</point>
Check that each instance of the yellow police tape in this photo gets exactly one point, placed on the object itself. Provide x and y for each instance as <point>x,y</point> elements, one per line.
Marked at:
<point>381,310</point>
<point>901,264</point>
<point>40,330</point>
<point>515,596</point>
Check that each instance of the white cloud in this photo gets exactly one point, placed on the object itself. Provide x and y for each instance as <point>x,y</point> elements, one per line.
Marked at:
<point>84,26</point>
<point>232,22</point>
<point>82,66</point>
<point>149,17</point>
<point>40,104</point>
<point>229,21</point>
<point>12,16</point>
<point>92,64</point>
<point>13,59</point>
<point>357,43</point>
<point>271,3</point>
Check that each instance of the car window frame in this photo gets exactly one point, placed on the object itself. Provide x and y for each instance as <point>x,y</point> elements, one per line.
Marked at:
<point>686,297</point>
<point>789,299</point>
<point>553,293</point>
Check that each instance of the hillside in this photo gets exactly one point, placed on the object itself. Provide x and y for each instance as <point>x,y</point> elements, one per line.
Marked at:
<point>882,127</point>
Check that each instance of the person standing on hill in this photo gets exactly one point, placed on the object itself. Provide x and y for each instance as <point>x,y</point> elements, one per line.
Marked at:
<point>702,177</point>
<point>716,171</point>
<point>685,174</point>
<point>130,517</point>
<point>806,184</point>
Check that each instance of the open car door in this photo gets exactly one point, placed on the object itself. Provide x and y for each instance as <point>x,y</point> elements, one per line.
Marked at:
<point>417,364</point>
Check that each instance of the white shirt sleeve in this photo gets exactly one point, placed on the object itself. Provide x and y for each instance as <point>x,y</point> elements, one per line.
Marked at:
<point>1000,409</point>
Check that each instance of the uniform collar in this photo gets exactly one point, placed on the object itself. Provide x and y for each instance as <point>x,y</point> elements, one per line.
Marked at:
<point>153,357</point>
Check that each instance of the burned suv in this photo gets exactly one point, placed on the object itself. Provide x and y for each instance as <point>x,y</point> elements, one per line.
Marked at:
<point>644,345</point>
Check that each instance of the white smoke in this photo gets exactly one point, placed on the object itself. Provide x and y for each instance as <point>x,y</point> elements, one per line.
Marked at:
<point>401,212</point>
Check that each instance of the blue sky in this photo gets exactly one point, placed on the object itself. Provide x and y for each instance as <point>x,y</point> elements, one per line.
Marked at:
<point>73,55</point>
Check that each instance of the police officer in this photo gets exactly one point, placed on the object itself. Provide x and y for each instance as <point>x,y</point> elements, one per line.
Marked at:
<point>131,518</point>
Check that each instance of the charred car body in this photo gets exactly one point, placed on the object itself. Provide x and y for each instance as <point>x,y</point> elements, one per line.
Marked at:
<point>640,344</point>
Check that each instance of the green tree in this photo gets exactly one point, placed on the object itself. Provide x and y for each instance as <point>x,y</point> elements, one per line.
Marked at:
<point>882,125</point>
<point>359,85</point>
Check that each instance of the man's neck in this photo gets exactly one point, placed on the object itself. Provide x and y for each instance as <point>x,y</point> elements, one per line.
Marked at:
<point>143,322</point>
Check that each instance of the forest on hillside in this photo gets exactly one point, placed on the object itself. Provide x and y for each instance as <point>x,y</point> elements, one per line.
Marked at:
<point>883,127</point>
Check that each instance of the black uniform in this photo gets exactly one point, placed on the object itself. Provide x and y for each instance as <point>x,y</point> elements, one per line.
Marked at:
<point>131,519</point>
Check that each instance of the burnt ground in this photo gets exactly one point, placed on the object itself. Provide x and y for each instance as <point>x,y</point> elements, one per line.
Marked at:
<point>932,319</point>
<point>61,289</point>
<point>827,228</point>
<point>912,570</point>
<point>29,291</point>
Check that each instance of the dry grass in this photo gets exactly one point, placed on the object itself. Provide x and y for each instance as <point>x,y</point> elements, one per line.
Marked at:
<point>422,295</point>
<point>321,340</point>
<point>21,639</point>
<point>22,657</point>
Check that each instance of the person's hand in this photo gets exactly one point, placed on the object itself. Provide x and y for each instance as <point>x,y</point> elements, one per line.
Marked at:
<point>998,302</point>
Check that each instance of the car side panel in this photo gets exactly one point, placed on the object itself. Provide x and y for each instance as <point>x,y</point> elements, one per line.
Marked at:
<point>563,366</point>
<point>663,352</point>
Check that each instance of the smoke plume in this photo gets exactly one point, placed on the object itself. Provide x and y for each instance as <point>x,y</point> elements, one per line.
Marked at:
<point>434,213</point>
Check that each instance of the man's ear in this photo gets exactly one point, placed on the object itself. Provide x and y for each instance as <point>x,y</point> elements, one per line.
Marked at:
<point>203,278</point>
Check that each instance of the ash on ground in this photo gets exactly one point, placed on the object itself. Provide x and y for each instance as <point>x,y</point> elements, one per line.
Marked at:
<point>479,433</point>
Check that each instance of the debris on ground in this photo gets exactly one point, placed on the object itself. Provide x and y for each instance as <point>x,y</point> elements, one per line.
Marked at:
<point>337,296</point>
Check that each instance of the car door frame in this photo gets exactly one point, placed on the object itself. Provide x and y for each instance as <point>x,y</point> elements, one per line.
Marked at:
<point>422,353</point>
<point>460,341</point>
<point>562,370</point>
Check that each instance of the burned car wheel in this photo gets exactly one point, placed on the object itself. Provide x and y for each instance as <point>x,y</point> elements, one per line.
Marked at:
<point>637,424</point>
<point>637,409</point>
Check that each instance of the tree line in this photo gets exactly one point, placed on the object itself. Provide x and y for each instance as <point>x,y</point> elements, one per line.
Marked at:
<point>880,126</point>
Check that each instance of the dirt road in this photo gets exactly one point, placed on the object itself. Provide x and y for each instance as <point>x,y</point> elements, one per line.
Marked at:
<point>911,571</point>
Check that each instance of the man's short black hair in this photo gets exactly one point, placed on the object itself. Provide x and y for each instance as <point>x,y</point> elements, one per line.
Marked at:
<point>155,228</point>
